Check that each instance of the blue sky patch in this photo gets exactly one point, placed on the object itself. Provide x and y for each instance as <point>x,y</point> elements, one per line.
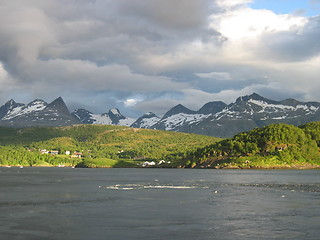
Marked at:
<point>303,7</point>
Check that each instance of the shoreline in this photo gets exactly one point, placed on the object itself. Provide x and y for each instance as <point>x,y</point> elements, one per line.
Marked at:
<point>213,168</point>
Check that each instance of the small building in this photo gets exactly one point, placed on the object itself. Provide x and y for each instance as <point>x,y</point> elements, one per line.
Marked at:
<point>54,152</point>
<point>44,151</point>
<point>77,154</point>
<point>161,162</point>
<point>146,164</point>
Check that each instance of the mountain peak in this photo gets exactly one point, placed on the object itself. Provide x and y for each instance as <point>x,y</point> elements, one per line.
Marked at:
<point>58,104</point>
<point>83,115</point>
<point>253,96</point>
<point>212,107</point>
<point>146,121</point>
<point>115,112</point>
<point>36,113</point>
<point>290,102</point>
<point>10,102</point>
<point>37,102</point>
<point>178,109</point>
<point>149,115</point>
<point>58,100</point>
<point>115,115</point>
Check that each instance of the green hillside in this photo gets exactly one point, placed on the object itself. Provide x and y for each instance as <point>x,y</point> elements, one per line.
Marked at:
<point>273,146</point>
<point>95,146</point>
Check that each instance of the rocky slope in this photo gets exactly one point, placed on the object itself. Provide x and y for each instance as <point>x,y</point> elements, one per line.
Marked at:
<point>113,117</point>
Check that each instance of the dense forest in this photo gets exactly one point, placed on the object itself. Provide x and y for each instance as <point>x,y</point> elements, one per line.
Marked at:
<point>273,146</point>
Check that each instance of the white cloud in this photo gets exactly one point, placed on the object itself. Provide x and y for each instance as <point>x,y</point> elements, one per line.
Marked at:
<point>131,102</point>
<point>215,75</point>
<point>245,23</point>
<point>3,74</point>
<point>7,83</point>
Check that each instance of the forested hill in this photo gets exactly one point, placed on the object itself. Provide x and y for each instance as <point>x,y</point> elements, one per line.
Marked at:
<point>273,146</point>
<point>95,146</point>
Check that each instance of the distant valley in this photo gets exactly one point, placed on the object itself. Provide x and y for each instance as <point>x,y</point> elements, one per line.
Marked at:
<point>213,119</point>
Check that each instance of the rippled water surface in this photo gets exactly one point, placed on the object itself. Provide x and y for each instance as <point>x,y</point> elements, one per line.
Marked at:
<point>66,203</point>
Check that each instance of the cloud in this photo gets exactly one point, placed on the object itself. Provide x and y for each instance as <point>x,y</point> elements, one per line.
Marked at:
<point>194,99</point>
<point>298,45</point>
<point>108,77</point>
<point>215,75</point>
<point>246,23</point>
<point>232,3</point>
<point>149,55</point>
<point>174,14</point>
<point>5,82</point>
<point>132,101</point>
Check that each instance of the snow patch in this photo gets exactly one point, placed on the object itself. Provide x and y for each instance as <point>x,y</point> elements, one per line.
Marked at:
<point>279,118</point>
<point>22,110</point>
<point>101,119</point>
<point>265,105</point>
<point>148,122</point>
<point>104,119</point>
<point>182,118</point>
<point>126,122</point>
<point>115,111</point>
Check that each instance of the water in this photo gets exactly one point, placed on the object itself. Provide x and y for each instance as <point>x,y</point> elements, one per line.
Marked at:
<point>66,203</point>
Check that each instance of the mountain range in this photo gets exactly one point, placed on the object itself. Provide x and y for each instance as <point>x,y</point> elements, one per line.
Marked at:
<point>36,113</point>
<point>213,119</point>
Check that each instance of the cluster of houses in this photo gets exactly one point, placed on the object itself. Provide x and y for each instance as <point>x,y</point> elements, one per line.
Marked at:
<point>75,154</point>
<point>152,163</point>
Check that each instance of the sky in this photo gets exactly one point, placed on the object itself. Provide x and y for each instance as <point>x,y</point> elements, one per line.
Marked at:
<point>150,55</point>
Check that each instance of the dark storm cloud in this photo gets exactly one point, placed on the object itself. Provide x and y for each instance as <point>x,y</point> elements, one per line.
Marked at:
<point>102,32</point>
<point>143,54</point>
<point>96,45</point>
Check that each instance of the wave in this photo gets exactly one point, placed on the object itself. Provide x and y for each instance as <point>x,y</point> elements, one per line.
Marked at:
<point>140,186</point>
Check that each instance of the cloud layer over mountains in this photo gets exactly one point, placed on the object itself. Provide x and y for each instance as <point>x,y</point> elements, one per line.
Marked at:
<point>142,55</point>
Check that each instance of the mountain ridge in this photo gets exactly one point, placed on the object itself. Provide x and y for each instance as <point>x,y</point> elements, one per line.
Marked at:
<point>36,113</point>
<point>213,118</point>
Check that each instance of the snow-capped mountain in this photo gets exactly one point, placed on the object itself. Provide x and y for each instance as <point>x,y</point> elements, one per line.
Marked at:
<point>8,107</point>
<point>36,113</point>
<point>214,118</point>
<point>222,120</point>
<point>146,121</point>
<point>113,117</point>
<point>84,116</point>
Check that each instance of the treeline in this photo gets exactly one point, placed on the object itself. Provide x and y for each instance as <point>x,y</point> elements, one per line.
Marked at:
<point>25,136</point>
<point>277,145</point>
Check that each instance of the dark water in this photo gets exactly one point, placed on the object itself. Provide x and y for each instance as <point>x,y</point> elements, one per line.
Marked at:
<point>66,203</point>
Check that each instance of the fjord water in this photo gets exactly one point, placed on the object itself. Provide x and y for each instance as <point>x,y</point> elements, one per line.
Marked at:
<point>66,203</point>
